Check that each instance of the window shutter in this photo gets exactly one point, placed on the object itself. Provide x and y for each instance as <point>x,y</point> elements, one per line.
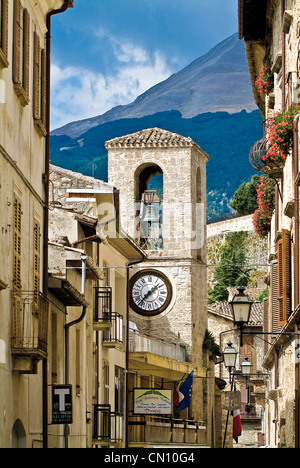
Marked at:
<point>26,51</point>
<point>274,295</point>
<point>4,33</point>
<point>43,87</point>
<point>36,76</point>
<point>265,322</point>
<point>17,42</point>
<point>284,278</point>
<point>37,236</point>
<point>17,243</point>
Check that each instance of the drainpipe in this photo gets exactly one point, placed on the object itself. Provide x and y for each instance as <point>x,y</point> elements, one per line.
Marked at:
<point>296,271</point>
<point>283,55</point>
<point>67,340</point>
<point>128,265</point>
<point>296,212</point>
<point>67,4</point>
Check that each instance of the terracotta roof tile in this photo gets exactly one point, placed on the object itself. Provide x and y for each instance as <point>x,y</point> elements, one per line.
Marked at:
<point>151,138</point>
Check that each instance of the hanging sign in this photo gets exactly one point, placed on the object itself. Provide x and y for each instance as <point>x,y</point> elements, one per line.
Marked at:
<point>152,401</point>
<point>62,404</point>
<point>232,401</point>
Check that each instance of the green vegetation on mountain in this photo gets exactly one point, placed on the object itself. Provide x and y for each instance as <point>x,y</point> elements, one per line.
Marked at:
<point>226,138</point>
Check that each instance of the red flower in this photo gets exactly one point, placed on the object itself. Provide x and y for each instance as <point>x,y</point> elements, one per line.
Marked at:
<point>266,205</point>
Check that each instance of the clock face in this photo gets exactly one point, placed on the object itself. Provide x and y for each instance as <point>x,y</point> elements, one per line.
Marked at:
<point>150,293</point>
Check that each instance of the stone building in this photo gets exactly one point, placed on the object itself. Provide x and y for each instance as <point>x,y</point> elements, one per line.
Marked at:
<point>270,30</point>
<point>161,177</point>
<point>94,354</point>
<point>220,323</point>
<point>24,162</point>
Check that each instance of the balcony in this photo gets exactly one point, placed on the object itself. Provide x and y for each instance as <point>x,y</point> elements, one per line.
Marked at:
<point>29,330</point>
<point>108,425</point>
<point>250,412</point>
<point>103,309</point>
<point>139,343</point>
<point>113,338</point>
<point>148,430</point>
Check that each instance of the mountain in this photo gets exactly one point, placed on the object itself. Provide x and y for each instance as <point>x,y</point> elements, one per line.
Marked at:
<point>210,101</point>
<point>217,82</point>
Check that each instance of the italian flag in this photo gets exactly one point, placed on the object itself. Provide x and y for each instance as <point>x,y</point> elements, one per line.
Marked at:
<point>237,425</point>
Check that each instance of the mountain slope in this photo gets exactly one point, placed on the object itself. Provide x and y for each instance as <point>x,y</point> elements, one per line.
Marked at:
<point>210,101</point>
<point>227,138</point>
<point>218,81</point>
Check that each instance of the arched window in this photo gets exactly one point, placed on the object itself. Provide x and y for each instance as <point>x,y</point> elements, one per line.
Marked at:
<point>149,203</point>
<point>18,435</point>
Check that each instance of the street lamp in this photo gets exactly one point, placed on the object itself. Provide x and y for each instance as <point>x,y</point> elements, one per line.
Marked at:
<point>246,367</point>
<point>241,309</point>
<point>229,356</point>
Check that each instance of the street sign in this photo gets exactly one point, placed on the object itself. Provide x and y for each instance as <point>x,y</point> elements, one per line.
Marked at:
<point>232,401</point>
<point>62,404</point>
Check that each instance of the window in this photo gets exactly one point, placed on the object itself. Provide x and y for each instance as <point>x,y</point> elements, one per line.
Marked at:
<point>274,298</point>
<point>106,384</point>
<point>54,354</point>
<point>119,390</point>
<point>39,86</point>
<point>21,51</point>
<point>4,33</point>
<point>284,278</point>
<point>17,243</point>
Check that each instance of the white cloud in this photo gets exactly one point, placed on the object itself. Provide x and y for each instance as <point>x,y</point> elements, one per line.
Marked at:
<point>78,93</point>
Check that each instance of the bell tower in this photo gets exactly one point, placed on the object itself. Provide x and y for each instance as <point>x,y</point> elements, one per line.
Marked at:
<point>161,177</point>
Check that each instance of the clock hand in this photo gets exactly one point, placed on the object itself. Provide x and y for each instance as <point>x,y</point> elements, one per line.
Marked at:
<point>150,292</point>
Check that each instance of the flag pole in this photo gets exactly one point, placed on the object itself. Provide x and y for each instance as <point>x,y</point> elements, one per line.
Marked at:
<point>227,419</point>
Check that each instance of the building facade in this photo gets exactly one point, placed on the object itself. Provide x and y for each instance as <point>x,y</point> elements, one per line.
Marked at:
<point>161,177</point>
<point>24,106</point>
<point>94,354</point>
<point>270,30</point>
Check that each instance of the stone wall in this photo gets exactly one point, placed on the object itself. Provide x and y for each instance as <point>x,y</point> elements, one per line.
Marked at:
<point>256,248</point>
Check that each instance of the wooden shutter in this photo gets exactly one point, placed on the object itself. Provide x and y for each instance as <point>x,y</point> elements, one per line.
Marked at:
<point>37,255</point>
<point>4,33</point>
<point>265,322</point>
<point>274,296</point>
<point>17,243</point>
<point>36,76</point>
<point>284,278</point>
<point>17,42</point>
<point>26,51</point>
<point>43,87</point>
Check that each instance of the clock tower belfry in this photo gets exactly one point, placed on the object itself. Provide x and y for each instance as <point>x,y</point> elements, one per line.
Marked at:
<point>161,177</point>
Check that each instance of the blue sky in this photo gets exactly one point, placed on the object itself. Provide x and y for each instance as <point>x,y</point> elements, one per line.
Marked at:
<point>107,52</point>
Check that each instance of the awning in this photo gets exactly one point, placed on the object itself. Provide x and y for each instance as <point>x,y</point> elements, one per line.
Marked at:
<point>163,367</point>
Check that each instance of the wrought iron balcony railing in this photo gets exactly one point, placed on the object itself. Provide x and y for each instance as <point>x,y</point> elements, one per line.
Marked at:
<point>29,325</point>
<point>115,335</point>
<point>103,308</point>
<point>139,343</point>
<point>161,430</point>
<point>257,152</point>
<point>108,425</point>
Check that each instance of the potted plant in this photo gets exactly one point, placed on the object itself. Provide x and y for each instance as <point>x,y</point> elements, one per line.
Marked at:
<point>249,407</point>
<point>266,205</point>
<point>280,137</point>
<point>265,81</point>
